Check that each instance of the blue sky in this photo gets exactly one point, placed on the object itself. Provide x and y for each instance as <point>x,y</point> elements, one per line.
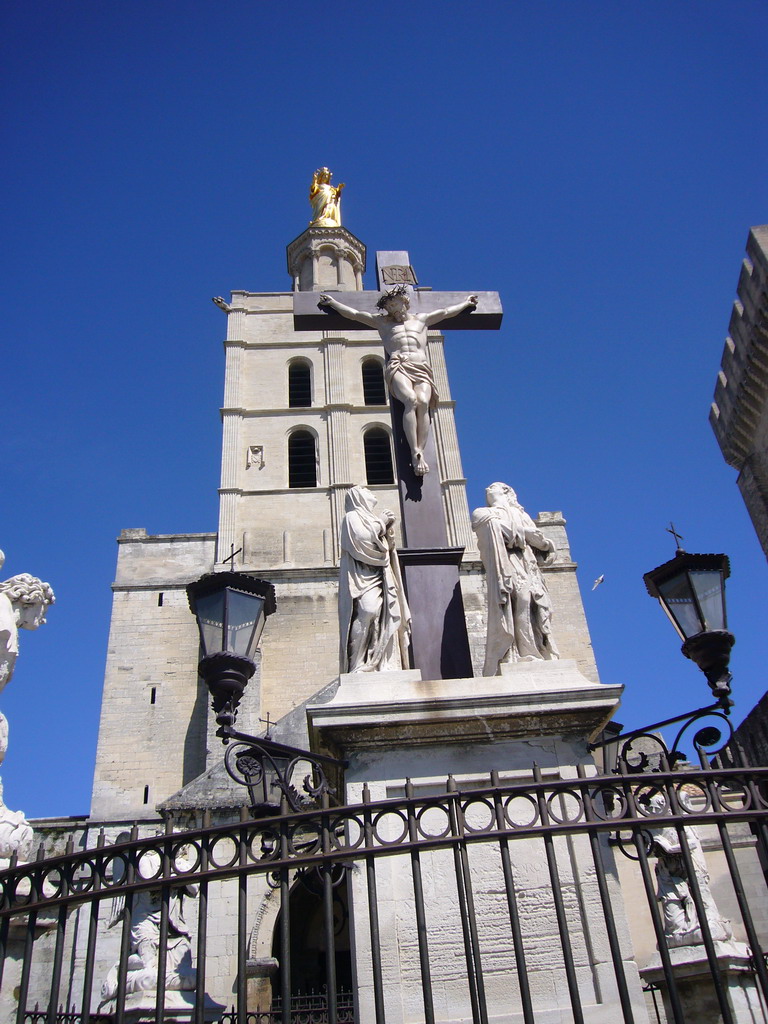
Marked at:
<point>597,163</point>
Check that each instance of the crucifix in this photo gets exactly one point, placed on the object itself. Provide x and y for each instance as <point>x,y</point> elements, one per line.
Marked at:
<point>402,315</point>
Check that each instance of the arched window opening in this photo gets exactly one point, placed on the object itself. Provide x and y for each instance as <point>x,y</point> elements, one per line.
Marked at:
<point>302,459</point>
<point>374,391</point>
<point>299,384</point>
<point>378,457</point>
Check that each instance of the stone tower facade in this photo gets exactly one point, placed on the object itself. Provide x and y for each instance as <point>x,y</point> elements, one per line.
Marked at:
<point>300,411</point>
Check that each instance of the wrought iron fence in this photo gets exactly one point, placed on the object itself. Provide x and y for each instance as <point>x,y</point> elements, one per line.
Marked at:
<point>304,1009</point>
<point>511,896</point>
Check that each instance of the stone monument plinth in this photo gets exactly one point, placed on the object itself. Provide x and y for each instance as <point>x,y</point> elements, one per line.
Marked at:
<point>178,1006</point>
<point>394,727</point>
<point>693,980</point>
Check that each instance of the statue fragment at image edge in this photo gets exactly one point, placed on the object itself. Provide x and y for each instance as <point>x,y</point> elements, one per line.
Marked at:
<point>24,600</point>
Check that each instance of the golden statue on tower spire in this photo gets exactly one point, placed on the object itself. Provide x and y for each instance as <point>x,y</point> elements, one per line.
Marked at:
<point>325,200</point>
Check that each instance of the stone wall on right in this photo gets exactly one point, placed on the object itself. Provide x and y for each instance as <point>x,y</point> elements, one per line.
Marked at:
<point>739,412</point>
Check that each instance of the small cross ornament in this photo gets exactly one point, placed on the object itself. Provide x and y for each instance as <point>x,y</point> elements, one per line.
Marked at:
<point>231,557</point>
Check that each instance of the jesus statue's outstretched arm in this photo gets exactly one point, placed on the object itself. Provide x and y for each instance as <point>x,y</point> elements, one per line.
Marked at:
<point>351,314</point>
<point>438,315</point>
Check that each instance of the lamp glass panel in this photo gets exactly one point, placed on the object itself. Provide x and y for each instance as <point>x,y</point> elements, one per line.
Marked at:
<point>209,610</point>
<point>245,621</point>
<point>677,597</point>
<point>709,588</point>
<point>282,763</point>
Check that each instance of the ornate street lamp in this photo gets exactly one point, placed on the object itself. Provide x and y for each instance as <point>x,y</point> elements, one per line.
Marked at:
<point>691,590</point>
<point>231,609</point>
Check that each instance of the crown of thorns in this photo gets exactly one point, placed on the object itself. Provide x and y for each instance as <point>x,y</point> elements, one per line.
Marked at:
<point>393,293</point>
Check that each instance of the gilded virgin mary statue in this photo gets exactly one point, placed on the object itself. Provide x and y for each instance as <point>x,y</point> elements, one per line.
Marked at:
<point>325,200</point>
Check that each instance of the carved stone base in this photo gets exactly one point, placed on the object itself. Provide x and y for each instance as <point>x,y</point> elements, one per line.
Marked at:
<point>400,711</point>
<point>693,979</point>
<point>260,971</point>
<point>178,1006</point>
<point>394,727</point>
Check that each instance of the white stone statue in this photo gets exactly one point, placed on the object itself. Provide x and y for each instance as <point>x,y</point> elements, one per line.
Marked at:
<point>513,550</point>
<point>16,835</point>
<point>408,373</point>
<point>325,200</point>
<point>681,923</point>
<point>374,620</point>
<point>24,600</point>
<point>144,956</point>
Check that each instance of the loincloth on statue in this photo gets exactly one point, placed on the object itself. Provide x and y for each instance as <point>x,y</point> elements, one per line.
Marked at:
<point>417,373</point>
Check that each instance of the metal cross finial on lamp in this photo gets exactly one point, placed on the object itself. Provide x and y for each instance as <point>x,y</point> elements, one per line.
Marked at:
<point>691,590</point>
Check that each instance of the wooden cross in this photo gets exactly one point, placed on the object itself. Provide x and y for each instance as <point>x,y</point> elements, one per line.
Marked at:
<point>421,497</point>
<point>395,268</point>
<point>430,567</point>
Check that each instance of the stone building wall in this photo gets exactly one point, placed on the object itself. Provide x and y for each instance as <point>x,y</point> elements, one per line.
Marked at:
<point>153,718</point>
<point>739,413</point>
<point>278,525</point>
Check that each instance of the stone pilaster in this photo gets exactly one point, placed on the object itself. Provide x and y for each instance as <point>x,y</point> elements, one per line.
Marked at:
<point>436,353</point>
<point>333,354</point>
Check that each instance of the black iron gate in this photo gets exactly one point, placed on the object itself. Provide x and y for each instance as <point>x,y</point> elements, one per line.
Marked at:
<point>504,897</point>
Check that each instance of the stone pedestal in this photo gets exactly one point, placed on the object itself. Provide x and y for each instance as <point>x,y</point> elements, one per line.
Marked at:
<point>397,726</point>
<point>260,972</point>
<point>693,978</point>
<point>178,1006</point>
<point>543,711</point>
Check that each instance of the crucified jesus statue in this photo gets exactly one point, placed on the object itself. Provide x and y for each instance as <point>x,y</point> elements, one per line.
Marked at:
<point>407,372</point>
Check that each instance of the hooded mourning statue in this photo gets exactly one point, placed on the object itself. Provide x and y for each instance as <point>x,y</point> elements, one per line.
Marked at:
<point>519,608</point>
<point>374,619</point>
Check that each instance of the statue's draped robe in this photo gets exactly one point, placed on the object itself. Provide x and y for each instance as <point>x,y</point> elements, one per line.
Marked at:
<point>146,915</point>
<point>519,608</point>
<point>416,372</point>
<point>367,567</point>
<point>326,212</point>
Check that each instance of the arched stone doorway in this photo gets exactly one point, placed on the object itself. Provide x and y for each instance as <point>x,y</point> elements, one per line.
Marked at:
<point>308,939</point>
